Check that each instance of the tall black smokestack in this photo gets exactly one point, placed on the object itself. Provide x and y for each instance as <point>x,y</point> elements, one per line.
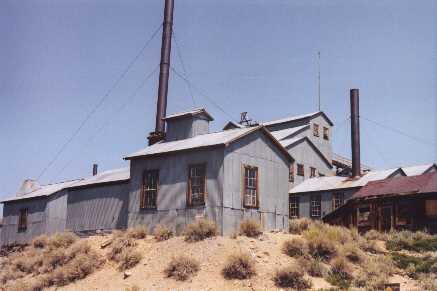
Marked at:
<point>95,169</point>
<point>355,132</point>
<point>161,108</point>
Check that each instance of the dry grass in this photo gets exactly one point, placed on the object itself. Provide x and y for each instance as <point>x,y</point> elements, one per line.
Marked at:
<point>299,225</point>
<point>353,253</point>
<point>291,277</point>
<point>40,242</point>
<point>295,247</point>
<point>122,250</point>
<point>137,232</point>
<point>181,268</point>
<point>313,267</point>
<point>375,235</point>
<point>250,228</point>
<point>341,273</point>
<point>411,241</point>
<point>375,273</point>
<point>162,233</point>
<point>239,266</point>
<point>200,230</point>
<point>120,243</point>
<point>62,240</point>
<point>128,259</point>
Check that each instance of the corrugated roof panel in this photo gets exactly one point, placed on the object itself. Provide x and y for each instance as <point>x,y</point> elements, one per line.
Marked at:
<point>291,118</point>
<point>116,175</point>
<point>195,111</point>
<point>282,134</point>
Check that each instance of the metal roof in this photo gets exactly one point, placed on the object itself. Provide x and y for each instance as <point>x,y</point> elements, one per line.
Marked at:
<point>425,183</point>
<point>336,158</point>
<point>297,117</point>
<point>196,111</point>
<point>288,133</point>
<point>116,175</point>
<point>336,182</point>
<point>417,170</point>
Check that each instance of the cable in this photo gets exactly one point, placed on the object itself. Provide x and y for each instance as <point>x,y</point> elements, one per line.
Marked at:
<point>108,121</point>
<point>179,54</point>
<point>203,94</point>
<point>100,103</point>
<point>417,139</point>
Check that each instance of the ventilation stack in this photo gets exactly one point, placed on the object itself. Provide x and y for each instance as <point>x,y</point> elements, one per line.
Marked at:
<point>355,132</point>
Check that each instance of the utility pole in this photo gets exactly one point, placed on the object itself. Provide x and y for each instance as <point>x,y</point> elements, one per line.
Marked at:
<point>164,74</point>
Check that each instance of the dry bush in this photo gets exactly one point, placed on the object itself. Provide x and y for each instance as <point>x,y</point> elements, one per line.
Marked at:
<point>239,266</point>
<point>62,240</point>
<point>128,259</point>
<point>120,243</point>
<point>428,283</point>
<point>413,241</point>
<point>250,228</point>
<point>291,277</point>
<point>133,288</point>
<point>353,253</point>
<point>319,245</point>
<point>200,230</point>
<point>40,242</point>
<point>370,246</point>
<point>234,235</point>
<point>375,273</point>
<point>313,267</point>
<point>182,268</point>
<point>375,235</point>
<point>341,273</point>
<point>162,233</point>
<point>295,247</point>
<point>299,225</point>
<point>137,232</point>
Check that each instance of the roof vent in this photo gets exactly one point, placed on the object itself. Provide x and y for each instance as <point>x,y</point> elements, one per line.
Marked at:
<point>27,187</point>
<point>187,124</point>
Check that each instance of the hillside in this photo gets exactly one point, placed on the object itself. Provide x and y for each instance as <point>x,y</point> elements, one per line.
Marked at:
<point>266,250</point>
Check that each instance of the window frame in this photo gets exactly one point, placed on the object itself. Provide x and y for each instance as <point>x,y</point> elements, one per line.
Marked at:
<point>301,167</point>
<point>190,188</point>
<point>245,186</point>
<point>335,200</point>
<point>316,130</point>
<point>313,172</point>
<point>143,196</point>
<point>326,133</point>
<point>23,216</point>
<point>316,208</point>
<point>293,206</point>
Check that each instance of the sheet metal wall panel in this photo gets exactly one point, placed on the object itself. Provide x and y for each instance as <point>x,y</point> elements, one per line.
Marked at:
<point>256,150</point>
<point>173,176</point>
<point>98,207</point>
<point>56,212</point>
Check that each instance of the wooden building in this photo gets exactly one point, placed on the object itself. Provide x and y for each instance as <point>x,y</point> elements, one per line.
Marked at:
<point>394,203</point>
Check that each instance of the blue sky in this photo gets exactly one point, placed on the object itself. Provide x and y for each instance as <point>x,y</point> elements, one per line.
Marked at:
<point>58,58</point>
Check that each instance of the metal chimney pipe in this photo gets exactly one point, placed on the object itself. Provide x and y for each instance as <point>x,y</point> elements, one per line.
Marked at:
<point>164,74</point>
<point>355,132</point>
<point>95,169</point>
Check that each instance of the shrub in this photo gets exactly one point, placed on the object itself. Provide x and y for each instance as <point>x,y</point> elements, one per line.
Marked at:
<point>291,277</point>
<point>250,228</point>
<point>295,247</point>
<point>128,259</point>
<point>200,230</point>
<point>181,268</point>
<point>375,235</point>
<point>414,265</point>
<point>353,253</point>
<point>118,245</point>
<point>239,266</point>
<point>137,232</point>
<point>62,240</point>
<point>321,247</point>
<point>40,242</point>
<point>412,241</point>
<point>340,274</point>
<point>162,233</point>
<point>316,268</point>
<point>298,225</point>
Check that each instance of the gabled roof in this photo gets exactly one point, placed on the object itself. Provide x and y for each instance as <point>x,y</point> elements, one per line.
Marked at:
<point>425,183</point>
<point>194,112</point>
<point>289,132</point>
<point>339,160</point>
<point>336,182</point>
<point>418,170</point>
<point>222,138</point>
<point>233,125</point>
<point>298,117</point>
<point>117,175</point>
<point>288,143</point>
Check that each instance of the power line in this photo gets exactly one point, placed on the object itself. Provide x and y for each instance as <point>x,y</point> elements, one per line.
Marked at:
<point>108,121</point>
<point>179,54</point>
<point>417,139</point>
<point>203,94</point>
<point>99,104</point>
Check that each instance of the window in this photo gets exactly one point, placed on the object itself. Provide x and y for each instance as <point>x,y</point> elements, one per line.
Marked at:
<point>404,213</point>
<point>291,173</point>
<point>326,133</point>
<point>315,129</point>
<point>250,186</point>
<point>196,184</point>
<point>149,192</point>
<point>22,219</point>
<point>337,200</point>
<point>293,206</point>
<point>312,172</point>
<point>300,170</point>
<point>364,215</point>
<point>316,206</point>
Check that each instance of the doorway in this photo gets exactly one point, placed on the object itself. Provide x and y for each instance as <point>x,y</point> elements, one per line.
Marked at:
<point>386,217</point>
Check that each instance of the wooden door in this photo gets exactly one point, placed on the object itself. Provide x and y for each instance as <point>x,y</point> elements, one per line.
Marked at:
<point>386,217</point>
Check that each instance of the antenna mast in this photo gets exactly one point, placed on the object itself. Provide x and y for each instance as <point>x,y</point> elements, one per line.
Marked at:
<point>318,81</point>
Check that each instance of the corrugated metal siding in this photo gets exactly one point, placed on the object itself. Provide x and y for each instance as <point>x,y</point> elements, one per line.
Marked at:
<point>98,207</point>
<point>36,220</point>
<point>173,175</point>
<point>186,127</point>
<point>256,150</point>
<point>56,210</point>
